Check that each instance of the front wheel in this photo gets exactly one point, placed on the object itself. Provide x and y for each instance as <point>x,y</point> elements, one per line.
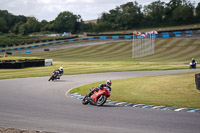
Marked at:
<point>101,100</point>
<point>85,100</point>
<point>51,78</point>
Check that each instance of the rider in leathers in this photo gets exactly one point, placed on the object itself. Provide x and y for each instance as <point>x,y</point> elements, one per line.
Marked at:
<point>60,72</point>
<point>101,86</point>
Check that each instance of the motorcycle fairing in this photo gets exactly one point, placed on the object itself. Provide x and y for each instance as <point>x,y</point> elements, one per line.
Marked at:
<point>99,93</point>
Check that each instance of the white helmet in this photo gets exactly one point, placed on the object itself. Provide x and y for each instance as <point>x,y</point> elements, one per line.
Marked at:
<point>108,82</point>
<point>61,68</point>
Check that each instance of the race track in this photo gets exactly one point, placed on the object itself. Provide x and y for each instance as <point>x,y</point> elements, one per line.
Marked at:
<point>36,104</point>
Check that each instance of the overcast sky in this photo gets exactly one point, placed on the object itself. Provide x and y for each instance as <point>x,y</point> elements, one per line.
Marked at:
<point>49,9</point>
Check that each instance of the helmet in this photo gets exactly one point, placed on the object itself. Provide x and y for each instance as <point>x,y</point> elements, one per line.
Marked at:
<point>61,68</point>
<point>108,82</point>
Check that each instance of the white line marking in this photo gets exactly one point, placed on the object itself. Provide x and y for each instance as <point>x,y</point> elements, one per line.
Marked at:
<point>119,103</point>
<point>157,107</point>
<point>179,109</point>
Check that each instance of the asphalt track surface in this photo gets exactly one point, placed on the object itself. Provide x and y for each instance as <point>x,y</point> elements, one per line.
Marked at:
<point>37,104</point>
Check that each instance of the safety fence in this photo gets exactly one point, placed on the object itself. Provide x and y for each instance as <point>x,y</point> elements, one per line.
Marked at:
<point>186,33</point>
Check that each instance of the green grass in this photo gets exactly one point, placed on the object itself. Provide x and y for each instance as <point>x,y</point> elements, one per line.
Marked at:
<point>112,57</point>
<point>17,58</point>
<point>167,90</point>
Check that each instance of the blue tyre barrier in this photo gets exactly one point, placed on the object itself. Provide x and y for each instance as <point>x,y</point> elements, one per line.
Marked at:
<point>80,39</point>
<point>165,35</point>
<point>28,52</point>
<point>127,37</point>
<point>115,37</point>
<point>102,37</point>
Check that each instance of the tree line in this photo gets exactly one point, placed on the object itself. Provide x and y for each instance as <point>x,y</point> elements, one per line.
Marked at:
<point>124,17</point>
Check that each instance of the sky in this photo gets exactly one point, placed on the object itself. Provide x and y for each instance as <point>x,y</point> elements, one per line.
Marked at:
<point>49,9</point>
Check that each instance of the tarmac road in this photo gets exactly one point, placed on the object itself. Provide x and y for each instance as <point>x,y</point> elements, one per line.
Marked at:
<point>37,104</point>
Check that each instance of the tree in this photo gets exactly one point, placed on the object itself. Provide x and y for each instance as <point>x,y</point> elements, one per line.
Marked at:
<point>183,14</point>
<point>131,15</point>
<point>155,12</point>
<point>3,25</point>
<point>43,25</point>
<point>66,22</point>
<point>124,17</point>
<point>32,24</point>
<point>179,11</point>
<point>198,11</point>
<point>23,29</point>
<point>15,28</point>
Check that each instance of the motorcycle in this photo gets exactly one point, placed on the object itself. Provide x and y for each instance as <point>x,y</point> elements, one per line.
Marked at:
<point>55,75</point>
<point>98,98</point>
<point>193,65</point>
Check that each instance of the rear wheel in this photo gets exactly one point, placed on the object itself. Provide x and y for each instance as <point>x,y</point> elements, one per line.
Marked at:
<point>85,100</point>
<point>101,100</point>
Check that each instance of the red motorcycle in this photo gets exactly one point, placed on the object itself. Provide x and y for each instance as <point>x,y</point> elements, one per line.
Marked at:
<point>98,97</point>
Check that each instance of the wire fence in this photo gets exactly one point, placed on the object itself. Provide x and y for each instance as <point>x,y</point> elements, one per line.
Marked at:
<point>143,45</point>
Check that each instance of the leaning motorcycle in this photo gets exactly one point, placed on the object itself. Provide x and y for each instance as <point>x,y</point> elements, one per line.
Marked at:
<point>55,75</point>
<point>98,98</point>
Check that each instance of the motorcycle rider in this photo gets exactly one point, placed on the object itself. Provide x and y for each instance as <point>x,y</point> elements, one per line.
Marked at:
<point>101,86</point>
<point>193,60</point>
<point>193,63</point>
<point>60,72</point>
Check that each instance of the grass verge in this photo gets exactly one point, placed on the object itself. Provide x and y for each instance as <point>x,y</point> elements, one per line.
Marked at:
<point>177,90</point>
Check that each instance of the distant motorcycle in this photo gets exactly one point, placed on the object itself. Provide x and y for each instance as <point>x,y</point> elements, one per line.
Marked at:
<point>55,75</point>
<point>193,65</point>
<point>97,98</point>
